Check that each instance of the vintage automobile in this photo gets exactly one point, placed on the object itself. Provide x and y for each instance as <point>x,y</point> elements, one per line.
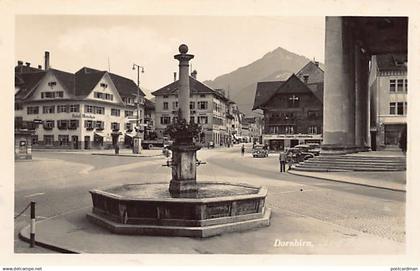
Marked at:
<point>309,148</point>
<point>298,155</point>
<point>314,148</point>
<point>259,151</point>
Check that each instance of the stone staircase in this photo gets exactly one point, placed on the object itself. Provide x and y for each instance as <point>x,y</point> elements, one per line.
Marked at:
<point>336,163</point>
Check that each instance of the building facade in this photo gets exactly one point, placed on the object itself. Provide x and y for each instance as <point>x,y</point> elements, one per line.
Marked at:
<point>388,86</point>
<point>292,109</point>
<point>208,107</point>
<point>252,129</point>
<point>86,110</point>
<point>149,119</point>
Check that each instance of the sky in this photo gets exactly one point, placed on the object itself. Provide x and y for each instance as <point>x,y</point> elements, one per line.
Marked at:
<point>220,44</point>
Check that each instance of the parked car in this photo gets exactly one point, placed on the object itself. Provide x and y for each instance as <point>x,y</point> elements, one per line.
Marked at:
<point>259,151</point>
<point>298,155</point>
<point>315,148</point>
<point>308,148</point>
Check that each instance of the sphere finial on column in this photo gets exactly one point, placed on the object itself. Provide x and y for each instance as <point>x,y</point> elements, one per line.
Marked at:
<point>183,48</point>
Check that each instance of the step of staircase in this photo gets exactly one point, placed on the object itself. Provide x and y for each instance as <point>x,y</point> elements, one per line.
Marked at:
<point>352,163</point>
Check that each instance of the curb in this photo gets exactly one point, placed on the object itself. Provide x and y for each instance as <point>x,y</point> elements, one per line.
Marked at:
<point>45,245</point>
<point>126,155</point>
<point>293,172</point>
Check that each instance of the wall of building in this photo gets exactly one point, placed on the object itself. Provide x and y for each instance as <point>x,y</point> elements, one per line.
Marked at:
<point>385,126</point>
<point>81,116</point>
<point>301,121</point>
<point>108,88</point>
<point>214,130</point>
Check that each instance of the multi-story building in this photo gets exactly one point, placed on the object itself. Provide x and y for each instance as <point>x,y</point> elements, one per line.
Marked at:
<point>208,108</point>
<point>149,119</point>
<point>252,129</point>
<point>82,110</point>
<point>388,99</point>
<point>292,108</point>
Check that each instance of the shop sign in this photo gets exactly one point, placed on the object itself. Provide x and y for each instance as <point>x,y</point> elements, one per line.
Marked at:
<point>298,136</point>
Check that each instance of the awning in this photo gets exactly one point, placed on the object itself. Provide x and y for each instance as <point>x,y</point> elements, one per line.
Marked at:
<point>99,134</point>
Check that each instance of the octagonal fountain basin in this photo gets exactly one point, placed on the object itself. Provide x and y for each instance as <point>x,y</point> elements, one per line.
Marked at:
<point>149,209</point>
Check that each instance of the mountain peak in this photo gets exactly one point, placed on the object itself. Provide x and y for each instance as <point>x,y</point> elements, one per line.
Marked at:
<point>278,64</point>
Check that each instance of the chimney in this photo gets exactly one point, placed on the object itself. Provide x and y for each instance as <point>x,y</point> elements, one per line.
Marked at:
<point>40,67</point>
<point>174,76</point>
<point>194,74</point>
<point>305,78</point>
<point>316,63</point>
<point>20,63</point>
<point>47,60</point>
<point>28,64</point>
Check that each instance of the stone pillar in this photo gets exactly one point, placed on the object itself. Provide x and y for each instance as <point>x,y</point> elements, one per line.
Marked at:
<point>184,82</point>
<point>184,170</point>
<point>364,87</point>
<point>338,132</point>
<point>183,182</point>
<point>359,96</point>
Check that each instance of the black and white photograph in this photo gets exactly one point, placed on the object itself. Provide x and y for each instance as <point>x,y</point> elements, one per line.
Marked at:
<point>212,133</point>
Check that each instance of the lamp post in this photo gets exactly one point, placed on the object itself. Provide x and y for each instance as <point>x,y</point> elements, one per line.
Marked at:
<point>137,142</point>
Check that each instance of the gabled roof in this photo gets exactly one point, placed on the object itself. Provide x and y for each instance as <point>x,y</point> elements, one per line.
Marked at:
<point>265,91</point>
<point>86,80</point>
<point>318,90</point>
<point>294,85</point>
<point>313,71</point>
<point>27,82</point>
<point>125,86</point>
<point>26,69</point>
<point>196,87</point>
<point>79,84</point>
<point>392,62</point>
<point>66,79</point>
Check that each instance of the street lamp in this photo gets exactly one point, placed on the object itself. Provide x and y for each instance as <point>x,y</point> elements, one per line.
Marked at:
<point>136,149</point>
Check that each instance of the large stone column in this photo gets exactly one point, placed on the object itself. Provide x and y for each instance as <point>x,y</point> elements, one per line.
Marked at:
<point>359,96</point>
<point>183,163</point>
<point>362,99</point>
<point>184,82</point>
<point>339,125</point>
<point>364,86</point>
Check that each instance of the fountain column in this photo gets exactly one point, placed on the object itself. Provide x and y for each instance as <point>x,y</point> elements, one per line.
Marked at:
<point>183,182</point>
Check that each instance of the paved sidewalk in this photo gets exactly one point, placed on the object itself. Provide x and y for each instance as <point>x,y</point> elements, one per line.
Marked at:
<point>394,180</point>
<point>111,152</point>
<point>129,153</point>
<point>73,233</point>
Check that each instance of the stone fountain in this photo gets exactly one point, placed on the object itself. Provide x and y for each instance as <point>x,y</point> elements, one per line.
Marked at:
<point>187,208</point>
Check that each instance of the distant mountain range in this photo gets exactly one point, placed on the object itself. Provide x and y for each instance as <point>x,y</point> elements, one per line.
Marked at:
<point>273,66</point>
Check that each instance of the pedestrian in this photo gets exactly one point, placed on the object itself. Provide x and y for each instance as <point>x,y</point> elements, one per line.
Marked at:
<point>290,160</point>
<point>282,159</point>
<point>403,140</point>
<point>242,150</point>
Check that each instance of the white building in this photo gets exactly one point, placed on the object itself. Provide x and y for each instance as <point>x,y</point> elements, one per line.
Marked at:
<point>208,107</point>
<point>388,99</point>
<point>82,110</point>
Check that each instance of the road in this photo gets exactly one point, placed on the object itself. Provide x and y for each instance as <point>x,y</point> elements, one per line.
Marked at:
<point>59,182</point>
